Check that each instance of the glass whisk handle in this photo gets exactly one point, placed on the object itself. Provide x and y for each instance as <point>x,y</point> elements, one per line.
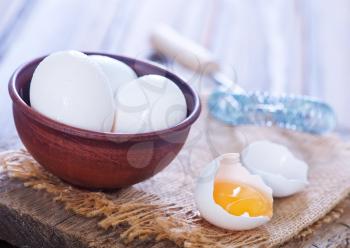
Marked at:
<point>300,113</point>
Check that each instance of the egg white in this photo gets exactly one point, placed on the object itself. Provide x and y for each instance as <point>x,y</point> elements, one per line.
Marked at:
<point>213,212</point>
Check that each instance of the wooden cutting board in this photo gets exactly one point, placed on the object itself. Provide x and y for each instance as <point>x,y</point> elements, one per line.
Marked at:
<point>29,218</point>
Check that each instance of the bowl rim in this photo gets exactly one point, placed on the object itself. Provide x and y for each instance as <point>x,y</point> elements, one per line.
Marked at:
<point>46,121</point>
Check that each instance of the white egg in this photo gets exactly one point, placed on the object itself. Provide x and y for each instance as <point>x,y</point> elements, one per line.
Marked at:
<point>149,103</point>
<point>68,87</point>
<point>116,71</point>
<point>277,166</point>
<point>226,168</point>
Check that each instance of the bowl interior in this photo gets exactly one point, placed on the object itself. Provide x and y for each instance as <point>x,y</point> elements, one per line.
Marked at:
<point>23,79</point>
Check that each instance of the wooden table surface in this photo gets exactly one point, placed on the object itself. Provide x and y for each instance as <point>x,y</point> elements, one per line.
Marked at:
<point>284,46</point>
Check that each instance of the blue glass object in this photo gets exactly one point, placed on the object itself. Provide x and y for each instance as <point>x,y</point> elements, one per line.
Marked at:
<point>294,112</point>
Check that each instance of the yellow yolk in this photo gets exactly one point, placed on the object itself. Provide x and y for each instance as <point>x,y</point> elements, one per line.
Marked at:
<point>238,199</point>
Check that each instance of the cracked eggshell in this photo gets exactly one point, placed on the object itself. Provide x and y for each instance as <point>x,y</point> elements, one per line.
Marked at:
<point>68,87</point>
<point>149,103</point>
<point>227,167</point>
<point>277,166</point>
<point>117,72</point>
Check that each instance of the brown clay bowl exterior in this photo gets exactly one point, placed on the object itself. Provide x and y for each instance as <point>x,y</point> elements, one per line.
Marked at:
<point>92,159</point>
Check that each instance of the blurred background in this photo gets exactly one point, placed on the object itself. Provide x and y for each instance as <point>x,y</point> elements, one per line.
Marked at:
<point>292,46</point>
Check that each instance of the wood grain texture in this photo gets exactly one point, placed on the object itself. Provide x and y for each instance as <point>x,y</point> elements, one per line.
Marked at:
<point>336,234</point>
<point>302,43</point>
<point>96,160</point>
<point>293,46</point>
<point>30,218</point>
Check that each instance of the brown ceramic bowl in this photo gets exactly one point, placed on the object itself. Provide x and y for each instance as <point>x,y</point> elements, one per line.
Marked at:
<point>93,159</point>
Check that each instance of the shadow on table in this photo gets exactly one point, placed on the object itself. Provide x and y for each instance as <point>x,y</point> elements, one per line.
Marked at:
<point>4,244</point>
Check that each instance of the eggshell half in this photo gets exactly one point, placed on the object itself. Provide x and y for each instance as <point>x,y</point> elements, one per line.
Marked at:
<point>68,87</point>
<point>278,167</point>
<point>149,103</point>
<point>227,167</point>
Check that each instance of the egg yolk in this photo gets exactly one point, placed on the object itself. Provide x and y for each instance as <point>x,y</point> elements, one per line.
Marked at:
<point>238,199</point>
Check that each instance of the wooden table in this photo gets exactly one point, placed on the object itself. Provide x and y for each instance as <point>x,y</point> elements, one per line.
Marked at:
<point>275,45</point>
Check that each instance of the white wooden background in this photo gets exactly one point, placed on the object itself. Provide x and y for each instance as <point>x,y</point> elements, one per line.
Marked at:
<point>295,46</point>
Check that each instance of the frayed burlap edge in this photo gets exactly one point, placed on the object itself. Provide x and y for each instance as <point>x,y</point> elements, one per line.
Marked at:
<point>330,217</point>
<point>146,215</point>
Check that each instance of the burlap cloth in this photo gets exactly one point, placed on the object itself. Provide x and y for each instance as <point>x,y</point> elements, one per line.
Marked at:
<point>163,206</point>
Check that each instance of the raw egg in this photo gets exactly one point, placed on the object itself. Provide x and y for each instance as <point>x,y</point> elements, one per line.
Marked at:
<point>149,103</point>
<point>117,72</point>
<point>277,166</point>
<point>68,87</point>
<point>228,196</point>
